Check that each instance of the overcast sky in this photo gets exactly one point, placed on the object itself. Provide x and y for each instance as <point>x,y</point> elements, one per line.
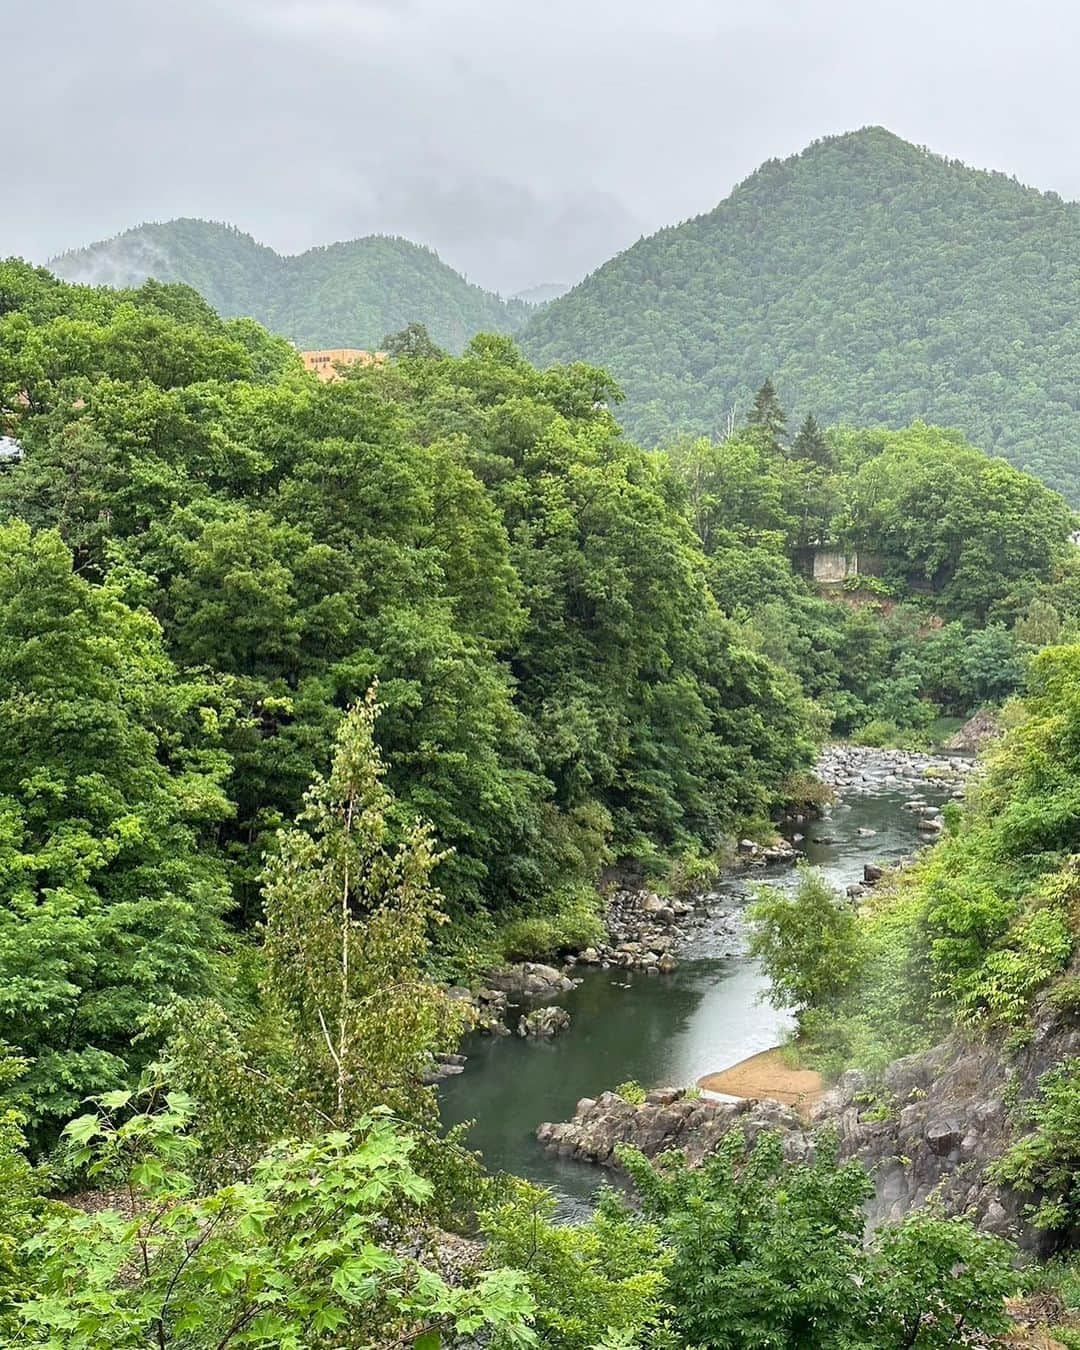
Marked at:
<point>526,141</point>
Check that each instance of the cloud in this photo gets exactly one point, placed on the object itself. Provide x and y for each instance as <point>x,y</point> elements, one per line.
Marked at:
<point>524,142</point>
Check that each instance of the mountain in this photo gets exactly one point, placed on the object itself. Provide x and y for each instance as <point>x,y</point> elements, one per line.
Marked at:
<point>343,295</point>
<point>540,295</point>
<point>874,281</point>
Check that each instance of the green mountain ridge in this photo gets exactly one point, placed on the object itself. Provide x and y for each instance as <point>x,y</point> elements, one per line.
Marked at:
<point>875,282</point>
<point>347,294</point>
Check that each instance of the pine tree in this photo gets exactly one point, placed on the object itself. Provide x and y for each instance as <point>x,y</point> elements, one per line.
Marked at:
<point>810,444</point>
<point>766,417</point>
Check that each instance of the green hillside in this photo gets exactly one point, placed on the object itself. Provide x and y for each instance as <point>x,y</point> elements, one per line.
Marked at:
<point>343,295</point>
<point>875,282</point>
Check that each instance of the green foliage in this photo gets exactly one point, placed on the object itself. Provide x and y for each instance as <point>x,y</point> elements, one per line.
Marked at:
<point>22,1213</point>
<point>1045,1159</point>
<point>767,1253</point>
<point>987,919</point>
<point>564,921</point>
<point>632,1092</point>
<point>592,1282</point>
<point>920,506</point>
<point>876,281</point>
<point>341,295</point>
<point>305,1250</point>
<point>472,532</point>
<point>110,794</point>
<point>348,914</point>
<point>808,942</point>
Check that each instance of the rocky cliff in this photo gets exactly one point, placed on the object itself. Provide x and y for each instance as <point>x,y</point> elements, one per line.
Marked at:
<point>927,1128</point>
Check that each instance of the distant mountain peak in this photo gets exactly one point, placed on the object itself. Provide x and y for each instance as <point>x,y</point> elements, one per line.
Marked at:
<point>876,280</point>
<point>350,293</point>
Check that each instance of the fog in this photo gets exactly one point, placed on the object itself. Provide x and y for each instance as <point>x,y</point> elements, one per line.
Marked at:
<point>525,143</point>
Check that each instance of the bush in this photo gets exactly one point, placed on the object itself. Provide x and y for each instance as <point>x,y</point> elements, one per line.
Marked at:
<point>600,1281</point>
<point>567,920</point>
<point>632,1092</point>
<point>808,943</point>
<point>309,1249</point>
<point>1046,1160</point>
<point>766,1253</point>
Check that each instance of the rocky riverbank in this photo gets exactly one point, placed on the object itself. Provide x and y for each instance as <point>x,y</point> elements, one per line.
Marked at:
<point>861,769</point>
<point>928,1128</point>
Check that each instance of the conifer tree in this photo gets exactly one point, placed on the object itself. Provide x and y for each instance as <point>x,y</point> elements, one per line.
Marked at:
<point>766,417</point>
<point>810,444</point>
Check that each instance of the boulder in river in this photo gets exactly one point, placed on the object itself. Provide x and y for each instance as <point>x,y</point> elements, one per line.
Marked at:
<point>529,979</point>
<point>544,1022</point>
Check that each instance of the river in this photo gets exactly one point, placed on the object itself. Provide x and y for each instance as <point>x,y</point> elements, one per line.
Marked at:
<point>663,1029</point>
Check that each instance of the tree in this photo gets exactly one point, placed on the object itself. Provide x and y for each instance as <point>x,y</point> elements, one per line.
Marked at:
<point>307,1250</point>
<point>766,418</point>
<point>810,444</point>
<point>412,341</point>
<point>348,913</point>
<point>807,943</point>
<point>111,889</point>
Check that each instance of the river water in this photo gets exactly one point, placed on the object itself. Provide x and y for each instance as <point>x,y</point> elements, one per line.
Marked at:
<point>660,1029</point>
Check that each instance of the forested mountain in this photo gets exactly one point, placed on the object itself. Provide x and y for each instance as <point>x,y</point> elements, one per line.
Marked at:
<point>343,295</point>
<point>874,281</point>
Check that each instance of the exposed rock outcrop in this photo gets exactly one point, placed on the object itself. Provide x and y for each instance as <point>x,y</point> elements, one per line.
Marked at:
<point>977,732</point>
<point>667,1119</point>
<point>929,1127</point>
<point>544,1022</point>
<point>529,979</point>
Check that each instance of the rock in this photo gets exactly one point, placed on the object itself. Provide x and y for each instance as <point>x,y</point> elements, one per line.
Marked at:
<point>544,1022</point>
<point>864,832</point>
<point>667,963</point>
<point>872,873</point>
<point>530,979</point>
<point>976,733</point>
<point>943,1136</point>
<point>459,994</point>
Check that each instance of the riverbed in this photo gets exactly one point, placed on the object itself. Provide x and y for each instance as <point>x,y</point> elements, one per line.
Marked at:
<point>670,1029</point>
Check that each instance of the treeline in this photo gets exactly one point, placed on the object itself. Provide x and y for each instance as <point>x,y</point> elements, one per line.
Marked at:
<point>965,568</point>
<point>878,282</point>
<point>211,555</point>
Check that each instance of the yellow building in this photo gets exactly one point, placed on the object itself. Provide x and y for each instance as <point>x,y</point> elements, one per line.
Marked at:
<point>327,365</point>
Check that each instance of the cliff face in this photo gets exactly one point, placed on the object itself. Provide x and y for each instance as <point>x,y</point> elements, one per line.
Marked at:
<point>928,1128</point>
<point>946,1117</point>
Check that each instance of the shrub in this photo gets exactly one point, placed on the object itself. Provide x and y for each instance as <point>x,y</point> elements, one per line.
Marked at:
<point>631,1092</point>
<point>566,920</point>
<point>1046,1160</point>
<point>767,1253</point>
<point>308,1250</point>
<point>808,943</point>
<point>596,1282</point>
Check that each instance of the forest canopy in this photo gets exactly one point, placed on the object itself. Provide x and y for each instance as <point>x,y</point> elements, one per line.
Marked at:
<point>877,283</point>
